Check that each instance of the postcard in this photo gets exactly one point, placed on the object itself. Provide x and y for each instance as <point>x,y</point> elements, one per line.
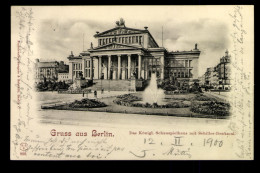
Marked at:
<point>132,83</point>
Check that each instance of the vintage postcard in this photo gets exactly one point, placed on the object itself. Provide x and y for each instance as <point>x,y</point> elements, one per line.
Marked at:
<point>132,83</point>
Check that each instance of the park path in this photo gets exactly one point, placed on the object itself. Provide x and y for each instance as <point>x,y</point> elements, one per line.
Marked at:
<point>52,98</point>
<point>226,96</point>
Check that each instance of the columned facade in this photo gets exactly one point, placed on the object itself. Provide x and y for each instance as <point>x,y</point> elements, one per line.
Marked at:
<point>126,53</point>
<point>114,67</point>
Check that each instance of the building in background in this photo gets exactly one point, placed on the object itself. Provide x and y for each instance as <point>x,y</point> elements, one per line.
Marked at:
<point>122,53</point>
<point>64,77</point>
<point>219,77</point>
<point>224,72</point>
<point>49,70</point>
<point>202,80</point>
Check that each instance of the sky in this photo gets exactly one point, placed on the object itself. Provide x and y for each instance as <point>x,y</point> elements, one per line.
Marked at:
<point>60,30</point>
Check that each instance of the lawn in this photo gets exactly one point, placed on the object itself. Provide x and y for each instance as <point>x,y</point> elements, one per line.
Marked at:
<point>115,108</point>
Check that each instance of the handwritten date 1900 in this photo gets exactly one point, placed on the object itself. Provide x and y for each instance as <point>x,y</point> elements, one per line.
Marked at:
<point>212,143</point>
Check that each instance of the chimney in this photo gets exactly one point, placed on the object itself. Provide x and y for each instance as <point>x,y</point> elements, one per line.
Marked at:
<point>145,27</point>
<point>37,60</point>
<point>97,32</point>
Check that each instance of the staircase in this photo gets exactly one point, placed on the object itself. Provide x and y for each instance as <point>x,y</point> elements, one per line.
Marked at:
<point>112,85</point>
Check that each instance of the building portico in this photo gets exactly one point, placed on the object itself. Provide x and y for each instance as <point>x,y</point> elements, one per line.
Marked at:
<point>114,66</point>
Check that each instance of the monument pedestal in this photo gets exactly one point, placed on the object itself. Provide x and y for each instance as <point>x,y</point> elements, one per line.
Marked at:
<point>133,84</point>
<point>79,82</point>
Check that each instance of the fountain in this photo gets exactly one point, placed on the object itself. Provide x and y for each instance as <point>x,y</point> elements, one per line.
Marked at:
<point>152,94</point>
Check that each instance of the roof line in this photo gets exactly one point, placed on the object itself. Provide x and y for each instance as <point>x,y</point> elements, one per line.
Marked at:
<point>118,44</point>
<point>117,28</point>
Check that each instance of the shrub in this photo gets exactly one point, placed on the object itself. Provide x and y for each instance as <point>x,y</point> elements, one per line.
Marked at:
<point>128,100</point>
<point>211,108</point>
<point>87,103</point>
<point>201,97</point>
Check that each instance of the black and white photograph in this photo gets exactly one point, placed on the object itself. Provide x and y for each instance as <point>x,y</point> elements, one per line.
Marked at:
<point>132,82</point>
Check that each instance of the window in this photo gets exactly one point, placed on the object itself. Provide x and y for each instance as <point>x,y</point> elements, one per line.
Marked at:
<point>129,39</point>
<point>179,74</point>
<point>158,73</point>
<point>186,74</point>
<point>150,61</point>
<point>136,39</point>
<point>158,61</point>
<point>140,39</point>
<point>182,74</point>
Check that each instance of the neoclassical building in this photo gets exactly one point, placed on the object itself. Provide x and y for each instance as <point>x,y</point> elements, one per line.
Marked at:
<point>124,52</point>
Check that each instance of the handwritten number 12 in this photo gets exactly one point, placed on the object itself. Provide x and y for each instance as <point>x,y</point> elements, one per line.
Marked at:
<point>150,141</point>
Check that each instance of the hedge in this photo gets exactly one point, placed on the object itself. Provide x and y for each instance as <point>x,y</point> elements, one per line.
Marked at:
<point>87,103</point>
<point>211,108</point>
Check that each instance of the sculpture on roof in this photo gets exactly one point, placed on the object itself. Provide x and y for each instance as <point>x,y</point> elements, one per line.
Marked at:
<point>196,46</point>
<point>121,22</point>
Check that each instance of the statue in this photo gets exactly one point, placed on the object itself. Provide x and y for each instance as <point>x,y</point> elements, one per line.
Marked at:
<point>196,45</point>
<point>121,22</point>
<point>114,39</point>
<point>91,45</point>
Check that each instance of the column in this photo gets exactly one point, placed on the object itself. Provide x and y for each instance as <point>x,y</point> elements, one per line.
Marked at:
<point>129,66</point>
<point>119,67</point>
<point>83,67</point>
<point>109,64</point>
<point>162,67</point>
<point>91,68</point>
<point>70,70</point>
<point>146,68</point>
<point>99,66</point>
<point>139,66</point>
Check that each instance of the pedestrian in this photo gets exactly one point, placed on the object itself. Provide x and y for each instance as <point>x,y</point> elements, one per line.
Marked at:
<point>95,94</point>
<point>102,90</point>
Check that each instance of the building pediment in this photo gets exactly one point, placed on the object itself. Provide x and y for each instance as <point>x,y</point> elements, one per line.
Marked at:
<point>120,31</point>
<point>114,46</point>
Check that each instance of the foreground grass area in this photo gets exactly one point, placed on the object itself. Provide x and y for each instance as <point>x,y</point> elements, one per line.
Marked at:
<point>197,106</point>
